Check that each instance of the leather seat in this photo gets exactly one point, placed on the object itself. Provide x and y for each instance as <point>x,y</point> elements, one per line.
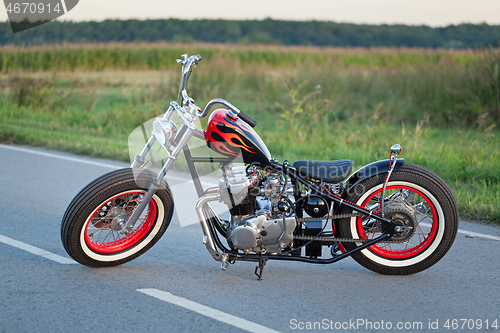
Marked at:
<point>328,171</point>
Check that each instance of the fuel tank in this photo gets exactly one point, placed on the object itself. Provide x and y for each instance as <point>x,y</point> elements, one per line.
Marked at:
<point>233,137</point>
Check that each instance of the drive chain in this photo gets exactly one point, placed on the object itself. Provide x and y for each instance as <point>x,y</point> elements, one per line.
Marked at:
<point>327,217</point>
<point>335,239</point>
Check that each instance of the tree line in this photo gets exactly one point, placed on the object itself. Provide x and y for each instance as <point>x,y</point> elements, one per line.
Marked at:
<point>268,31</point>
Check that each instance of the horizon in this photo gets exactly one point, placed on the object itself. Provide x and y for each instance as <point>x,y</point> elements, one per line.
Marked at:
<point>273,19</point>
<point>432,13</point>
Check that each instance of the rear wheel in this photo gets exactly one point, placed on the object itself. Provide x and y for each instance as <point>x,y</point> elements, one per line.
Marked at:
<point>91,227</point>
<point>416,199</point>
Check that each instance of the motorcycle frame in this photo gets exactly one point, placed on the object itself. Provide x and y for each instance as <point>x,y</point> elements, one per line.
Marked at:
<point>188,113</point>
<point>211,235</point>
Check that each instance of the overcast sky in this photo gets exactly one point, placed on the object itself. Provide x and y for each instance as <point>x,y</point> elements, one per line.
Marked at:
<point>412,12</point>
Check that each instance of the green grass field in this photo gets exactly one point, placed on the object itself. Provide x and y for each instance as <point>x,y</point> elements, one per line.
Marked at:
<point>324,104</point>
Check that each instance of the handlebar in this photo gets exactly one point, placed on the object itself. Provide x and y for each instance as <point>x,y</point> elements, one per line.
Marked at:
<point>246,118</point>
<point>238,113</point>
<point>188,64</point>
<point>184,59</point>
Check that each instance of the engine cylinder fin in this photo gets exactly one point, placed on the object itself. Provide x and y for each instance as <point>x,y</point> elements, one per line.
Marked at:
<point>246,207</point>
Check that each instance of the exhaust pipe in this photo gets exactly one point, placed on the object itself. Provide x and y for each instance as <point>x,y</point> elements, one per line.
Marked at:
<point>211,195</point>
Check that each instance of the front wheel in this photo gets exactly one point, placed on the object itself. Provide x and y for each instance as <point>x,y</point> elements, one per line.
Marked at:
<point>91,227</point>
<point>416,199</point>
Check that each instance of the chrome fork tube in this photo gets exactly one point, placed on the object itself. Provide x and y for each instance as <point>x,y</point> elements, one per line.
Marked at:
<point>172,157</point>
<point>156,184</point>
<point>207,239</point>
<point>139,159</point>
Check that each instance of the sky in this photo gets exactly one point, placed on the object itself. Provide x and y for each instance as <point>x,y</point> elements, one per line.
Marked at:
<point>411,12</point>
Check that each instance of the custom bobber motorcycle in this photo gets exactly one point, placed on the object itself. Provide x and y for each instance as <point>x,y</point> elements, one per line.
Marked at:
<point>391,216</point>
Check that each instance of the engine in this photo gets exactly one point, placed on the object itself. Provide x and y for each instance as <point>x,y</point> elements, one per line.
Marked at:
<point>253,199</point>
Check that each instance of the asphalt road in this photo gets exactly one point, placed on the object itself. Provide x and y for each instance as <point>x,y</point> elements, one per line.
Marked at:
<point>39,294</point>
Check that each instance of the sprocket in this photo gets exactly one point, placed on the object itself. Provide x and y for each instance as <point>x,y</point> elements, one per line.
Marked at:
<point>401,214</point>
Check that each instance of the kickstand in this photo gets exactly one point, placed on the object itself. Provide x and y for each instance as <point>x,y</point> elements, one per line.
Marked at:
<point>260,268</point>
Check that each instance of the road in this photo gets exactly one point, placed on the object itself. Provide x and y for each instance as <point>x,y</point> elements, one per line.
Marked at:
<point>178,287</point>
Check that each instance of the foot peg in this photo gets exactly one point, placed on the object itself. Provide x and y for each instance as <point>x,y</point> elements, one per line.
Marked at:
<point>225,262</point>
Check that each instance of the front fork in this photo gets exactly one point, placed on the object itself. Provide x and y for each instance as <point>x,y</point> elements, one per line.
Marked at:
<point>185,133</point>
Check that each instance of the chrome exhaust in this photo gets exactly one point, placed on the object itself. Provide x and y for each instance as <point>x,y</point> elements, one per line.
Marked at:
<point>212,195</point>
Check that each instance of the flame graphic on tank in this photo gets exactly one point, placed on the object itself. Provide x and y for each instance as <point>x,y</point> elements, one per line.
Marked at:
<point>228,139</point>
<point>234,138</point>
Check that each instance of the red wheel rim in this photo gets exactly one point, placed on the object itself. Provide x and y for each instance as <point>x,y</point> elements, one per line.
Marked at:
<point>99,235</point>
<point>421,239</point>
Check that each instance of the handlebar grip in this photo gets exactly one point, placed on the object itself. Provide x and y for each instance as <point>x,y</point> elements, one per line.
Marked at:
<point>247,119</point>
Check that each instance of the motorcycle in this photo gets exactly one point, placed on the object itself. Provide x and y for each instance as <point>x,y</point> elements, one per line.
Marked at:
<point>391,216</point>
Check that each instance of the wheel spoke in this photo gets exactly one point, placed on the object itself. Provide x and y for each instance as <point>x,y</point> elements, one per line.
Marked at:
<point>120,207</point>
<point>114,238</point>
<point>98,235</point>
<point>407,202</point>
<point>421,233</point>
<point>106,236</point>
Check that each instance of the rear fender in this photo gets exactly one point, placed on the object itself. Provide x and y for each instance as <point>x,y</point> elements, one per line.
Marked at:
<point>372,169</point>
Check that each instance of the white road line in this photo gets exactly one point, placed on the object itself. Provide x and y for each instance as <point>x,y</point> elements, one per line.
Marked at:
<point>80,160</point>
<point>468,233</point>
<point>206,311</point>
<point>476,234</point>
<point>61,157</point>
<point>36,250</point>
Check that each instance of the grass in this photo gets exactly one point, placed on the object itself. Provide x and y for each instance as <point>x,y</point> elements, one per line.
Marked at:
<point>157,56</point>
<point>442,108</point>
